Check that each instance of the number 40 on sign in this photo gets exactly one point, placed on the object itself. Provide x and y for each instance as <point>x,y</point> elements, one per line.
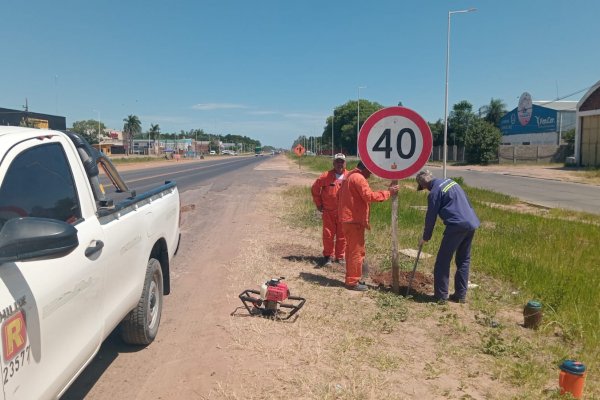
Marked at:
<point>395,142</point>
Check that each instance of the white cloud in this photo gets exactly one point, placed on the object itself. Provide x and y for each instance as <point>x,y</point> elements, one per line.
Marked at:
<point>165,119</point>
<point>262,113</point>
<point>304,116</point>
<point>217,106</point>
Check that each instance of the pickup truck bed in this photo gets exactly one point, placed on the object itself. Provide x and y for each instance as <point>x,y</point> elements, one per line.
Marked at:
<point>74,264</point>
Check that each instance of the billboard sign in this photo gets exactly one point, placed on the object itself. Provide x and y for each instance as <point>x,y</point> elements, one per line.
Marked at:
<point>528,118</point>
<point>525,108</point>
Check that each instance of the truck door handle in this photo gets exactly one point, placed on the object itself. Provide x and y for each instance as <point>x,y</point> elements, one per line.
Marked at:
<point>93,249</point>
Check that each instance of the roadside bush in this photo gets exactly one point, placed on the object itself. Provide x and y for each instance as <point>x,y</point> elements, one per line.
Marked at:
<point>481,142</point>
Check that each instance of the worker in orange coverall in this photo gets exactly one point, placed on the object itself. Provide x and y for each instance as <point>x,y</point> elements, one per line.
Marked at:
<point>353,211</point>
<point>325,196</point>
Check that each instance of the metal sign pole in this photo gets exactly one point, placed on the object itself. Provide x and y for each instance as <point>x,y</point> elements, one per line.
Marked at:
<point>413,139</point>
<point>395,267</point>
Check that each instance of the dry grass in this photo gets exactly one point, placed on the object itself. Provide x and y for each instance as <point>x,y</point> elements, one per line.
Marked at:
<point>349,345</point>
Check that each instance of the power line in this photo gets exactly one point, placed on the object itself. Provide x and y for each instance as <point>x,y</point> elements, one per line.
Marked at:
<point>566,96</point>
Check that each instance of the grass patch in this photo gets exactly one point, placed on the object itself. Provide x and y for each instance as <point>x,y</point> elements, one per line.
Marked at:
<point>592,173</point>
<point>552,258</point>
<point>319,164</point>
<point>391,310</point>
<point>386,362</point>
<point>494,344</point>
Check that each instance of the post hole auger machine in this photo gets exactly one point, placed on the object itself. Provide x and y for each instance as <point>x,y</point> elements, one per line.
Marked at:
<point>273,300</point>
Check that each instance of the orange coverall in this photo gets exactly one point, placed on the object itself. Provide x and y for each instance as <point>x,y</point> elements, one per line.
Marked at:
<point>325,196</point>
<point>353,212</point>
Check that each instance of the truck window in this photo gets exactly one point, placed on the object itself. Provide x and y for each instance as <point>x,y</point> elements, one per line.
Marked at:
<point>39,183</point>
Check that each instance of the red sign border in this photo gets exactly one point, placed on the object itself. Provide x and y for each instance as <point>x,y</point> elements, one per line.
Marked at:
<point>299,150</point>
<point>389,112</point>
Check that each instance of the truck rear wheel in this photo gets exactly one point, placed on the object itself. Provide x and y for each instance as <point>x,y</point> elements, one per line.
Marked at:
<point>140,326</point>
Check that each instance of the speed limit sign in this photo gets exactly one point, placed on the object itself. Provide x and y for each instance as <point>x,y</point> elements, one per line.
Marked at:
<point>394,143</point>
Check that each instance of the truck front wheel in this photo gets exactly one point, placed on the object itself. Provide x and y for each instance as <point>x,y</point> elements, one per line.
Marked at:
<point>140,326</point>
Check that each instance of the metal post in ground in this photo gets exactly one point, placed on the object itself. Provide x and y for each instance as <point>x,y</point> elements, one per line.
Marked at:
<point>395,267</point>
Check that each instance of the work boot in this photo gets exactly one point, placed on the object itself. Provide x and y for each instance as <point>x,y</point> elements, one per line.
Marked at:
<point>454,298</point>
<point>359,287</point>
<point>438,301</point>
<point>327,261</point>
<point>341,261</point>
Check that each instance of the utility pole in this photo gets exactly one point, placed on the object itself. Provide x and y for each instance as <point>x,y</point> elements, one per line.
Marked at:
<point>358,116</point>
<point>332,120</point>
<point>56,92</point>
<point>26,107</point>
<point>98,135</point>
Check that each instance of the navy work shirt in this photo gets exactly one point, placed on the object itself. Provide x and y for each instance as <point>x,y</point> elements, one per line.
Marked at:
<point>449,201</point>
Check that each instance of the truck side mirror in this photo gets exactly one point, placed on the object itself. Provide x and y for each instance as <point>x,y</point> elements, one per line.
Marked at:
<point>28,238</point>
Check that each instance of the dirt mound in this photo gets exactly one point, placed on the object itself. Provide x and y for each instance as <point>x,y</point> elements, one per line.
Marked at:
<point>421,284</point>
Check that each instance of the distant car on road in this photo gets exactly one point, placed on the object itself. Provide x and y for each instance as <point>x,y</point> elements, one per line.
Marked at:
<point>212,152</point>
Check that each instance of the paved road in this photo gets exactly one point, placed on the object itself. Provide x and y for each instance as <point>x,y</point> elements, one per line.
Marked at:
<point>543,192</point>
<point>187,174</point>
<point>193,352</point>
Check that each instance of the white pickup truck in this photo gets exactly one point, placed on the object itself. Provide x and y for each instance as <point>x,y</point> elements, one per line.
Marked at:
<point>74,263</point>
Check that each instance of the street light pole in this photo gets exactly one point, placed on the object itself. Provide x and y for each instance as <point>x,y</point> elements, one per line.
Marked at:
<point>98,136</point>
<point>447,75</point>
<point>332,120</point>
<point>56,92</point>
<point>358,116</point>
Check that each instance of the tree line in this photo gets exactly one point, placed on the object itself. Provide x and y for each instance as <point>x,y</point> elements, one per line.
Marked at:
<point>478,132</point>
<point>93,132</point>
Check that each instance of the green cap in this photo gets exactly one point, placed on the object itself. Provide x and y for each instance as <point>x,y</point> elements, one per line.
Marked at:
<point>534,304</point>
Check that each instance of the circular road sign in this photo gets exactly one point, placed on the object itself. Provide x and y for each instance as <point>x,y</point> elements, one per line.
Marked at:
<point>299,150</point>
<point>394,143</point>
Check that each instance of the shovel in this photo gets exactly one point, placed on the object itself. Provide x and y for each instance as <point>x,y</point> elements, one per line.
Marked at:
<point>414,270</point>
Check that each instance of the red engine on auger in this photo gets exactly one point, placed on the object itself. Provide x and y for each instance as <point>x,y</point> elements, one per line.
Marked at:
<point>271,299</point>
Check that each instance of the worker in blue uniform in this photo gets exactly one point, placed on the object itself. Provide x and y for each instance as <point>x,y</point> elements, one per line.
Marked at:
<point>448,200</point>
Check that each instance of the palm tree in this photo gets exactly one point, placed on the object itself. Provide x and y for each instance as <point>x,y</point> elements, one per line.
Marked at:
<point>495,111</point>
<point>132,127</point>
<point>154,131</point>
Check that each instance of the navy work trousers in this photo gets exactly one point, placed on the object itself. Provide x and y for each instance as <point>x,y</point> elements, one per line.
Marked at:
<point>459,242</point>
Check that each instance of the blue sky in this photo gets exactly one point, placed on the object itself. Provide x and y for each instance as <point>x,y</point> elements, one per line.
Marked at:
<point>274,69</point>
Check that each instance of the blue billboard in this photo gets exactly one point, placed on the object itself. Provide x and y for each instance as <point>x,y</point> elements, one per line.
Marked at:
<point>538,120</point>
